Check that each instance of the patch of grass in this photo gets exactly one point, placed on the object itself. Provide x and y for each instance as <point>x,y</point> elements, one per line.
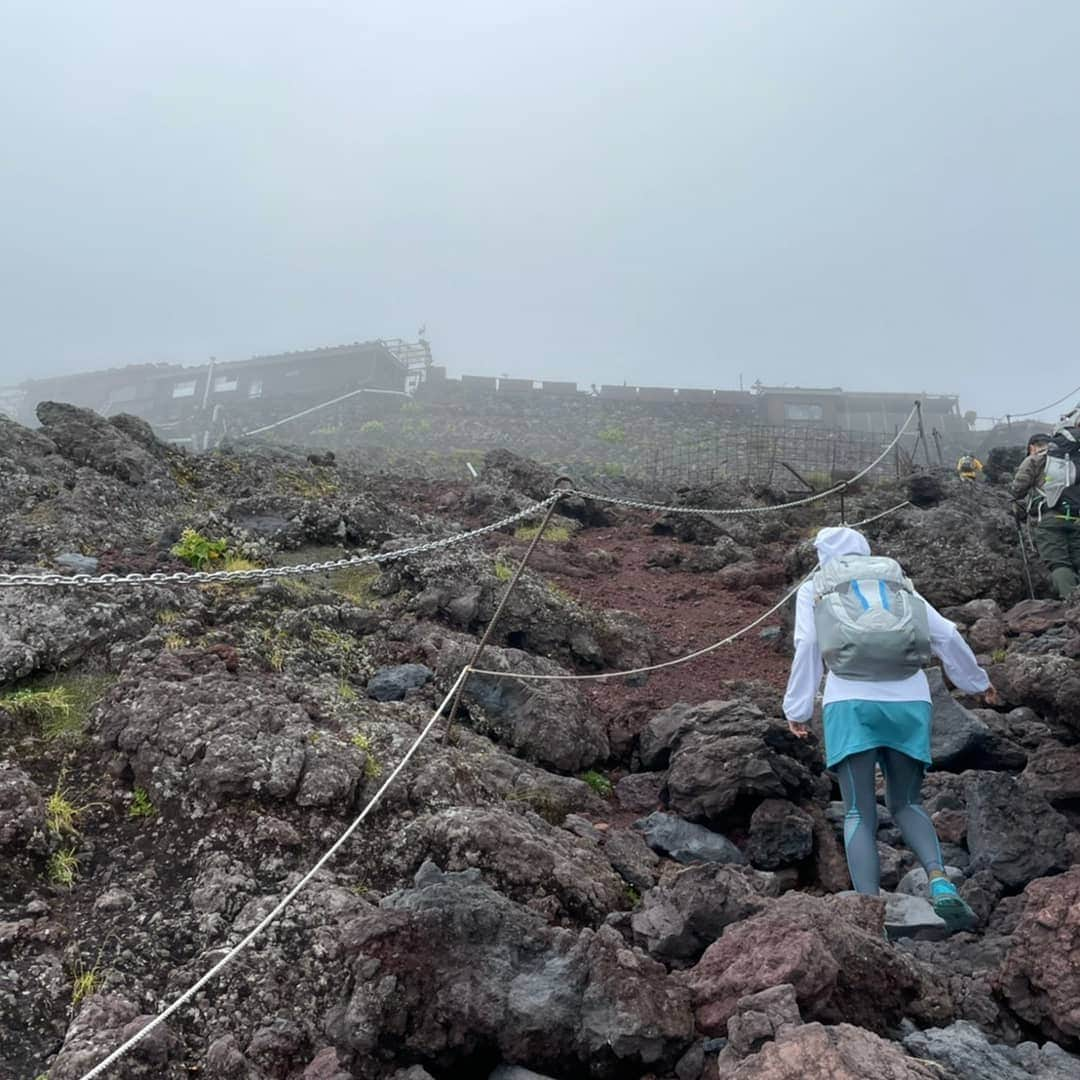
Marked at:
<point>141,806</point>
<point>238,562</point>
<point>84,983</point>
<point>61,704</point>
<point>63,867</point>
<point>197,550</point>
<point>38,704</point>
<point>309,486</point>
<point>560,593</point>
<point>167,617</point>
<point>173,642</point>
<point>633,897</point>
<point>372,427</point>
<point>614,433</point>
<point>347,692</point>
<point>600,784</point>
<point>612,468</point>
<point>998,656</point>
<point>553,534</point>
<point>354,583</point>
<point>503,572</point>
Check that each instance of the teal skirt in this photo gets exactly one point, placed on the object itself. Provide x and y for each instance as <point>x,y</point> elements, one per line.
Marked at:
<point>854,726</point>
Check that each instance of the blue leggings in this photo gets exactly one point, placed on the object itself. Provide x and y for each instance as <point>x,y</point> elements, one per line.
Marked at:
<point>903,783</point>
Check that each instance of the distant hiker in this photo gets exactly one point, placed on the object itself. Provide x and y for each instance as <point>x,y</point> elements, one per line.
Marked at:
<point>1047,484</point>
<point>1037,443</point>
<point>969,467</point>
<point>860,617</point>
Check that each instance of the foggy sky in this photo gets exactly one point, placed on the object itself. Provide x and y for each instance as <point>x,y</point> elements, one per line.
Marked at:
<point>868,194</point>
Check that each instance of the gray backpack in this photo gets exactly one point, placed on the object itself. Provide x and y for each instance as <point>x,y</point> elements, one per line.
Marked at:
<point>1062,470</point>
<point>870,623</point>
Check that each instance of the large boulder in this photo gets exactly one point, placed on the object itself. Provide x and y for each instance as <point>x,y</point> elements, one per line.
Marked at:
<point>723,753</point>
<point>965,1051</point>
<point>1049,684</point>
<point>87,439</point>
<point>832,951</point>
<point>689,909</point>
<point>105,1021</point>
<point>963,549</point>
<point>1038,978</point>
<point>841,1052</point>
<point>550,723</point>
<point>195,734</point>
<point>685,841</point>
<point>548,868</point>
<point>450,967</point>
<point>1053,771</point>
<point>1018,834</point>
<point>780,835</point>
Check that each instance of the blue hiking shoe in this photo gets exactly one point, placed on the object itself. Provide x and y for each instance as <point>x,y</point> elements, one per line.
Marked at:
<point>950,906</point>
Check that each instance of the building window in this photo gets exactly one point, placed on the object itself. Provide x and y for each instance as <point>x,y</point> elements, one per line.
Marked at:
<point>184,389</point>
<point>803,412</point>
<point>255,388</point>
<point>224,383</point>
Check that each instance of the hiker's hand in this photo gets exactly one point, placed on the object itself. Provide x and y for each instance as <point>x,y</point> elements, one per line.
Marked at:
<point>800,731</point>
<point>991,697</point>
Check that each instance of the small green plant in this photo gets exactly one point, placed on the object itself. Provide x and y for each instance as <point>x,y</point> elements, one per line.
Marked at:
<point>372,768</point>
<point>141,806</point>
<point>167,617</point>
<point>372,427</point>
<point>361,889</point>
<point>63,867</point>
<point>612,468</point>
<point>197,550</point>
<point>998,656</point>
<point>84,982</point>
<point>633,897</point>
<point>553,534</point>
<point>503,572</point>
<point>599,783</point>
<point>173,642</point>
<point>347,692</point>
<point>614,433</point>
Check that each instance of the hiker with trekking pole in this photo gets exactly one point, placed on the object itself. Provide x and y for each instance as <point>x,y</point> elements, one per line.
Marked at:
<point>860,618</point>
<point>1047,488</point>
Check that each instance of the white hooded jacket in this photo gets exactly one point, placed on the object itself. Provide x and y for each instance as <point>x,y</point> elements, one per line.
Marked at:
<point>807,666</point>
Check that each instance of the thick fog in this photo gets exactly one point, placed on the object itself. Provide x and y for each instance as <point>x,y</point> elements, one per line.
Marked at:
<point>879,195</point>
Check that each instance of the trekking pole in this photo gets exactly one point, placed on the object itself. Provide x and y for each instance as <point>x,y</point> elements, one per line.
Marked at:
<point>1024,556</point>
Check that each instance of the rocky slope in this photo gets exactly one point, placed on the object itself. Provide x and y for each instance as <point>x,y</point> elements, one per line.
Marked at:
<point>634,879</point>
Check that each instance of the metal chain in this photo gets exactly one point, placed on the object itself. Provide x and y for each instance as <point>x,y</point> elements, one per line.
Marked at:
<point>706,512</point>
<point>54,580</point>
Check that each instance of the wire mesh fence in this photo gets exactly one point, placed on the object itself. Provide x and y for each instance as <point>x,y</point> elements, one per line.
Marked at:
<point>791,457</point>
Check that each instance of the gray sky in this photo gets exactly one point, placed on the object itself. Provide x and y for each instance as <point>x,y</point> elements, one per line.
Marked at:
<point>871,194</point>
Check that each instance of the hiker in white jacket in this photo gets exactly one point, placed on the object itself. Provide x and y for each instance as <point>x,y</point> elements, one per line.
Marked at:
<point>868,722</point>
